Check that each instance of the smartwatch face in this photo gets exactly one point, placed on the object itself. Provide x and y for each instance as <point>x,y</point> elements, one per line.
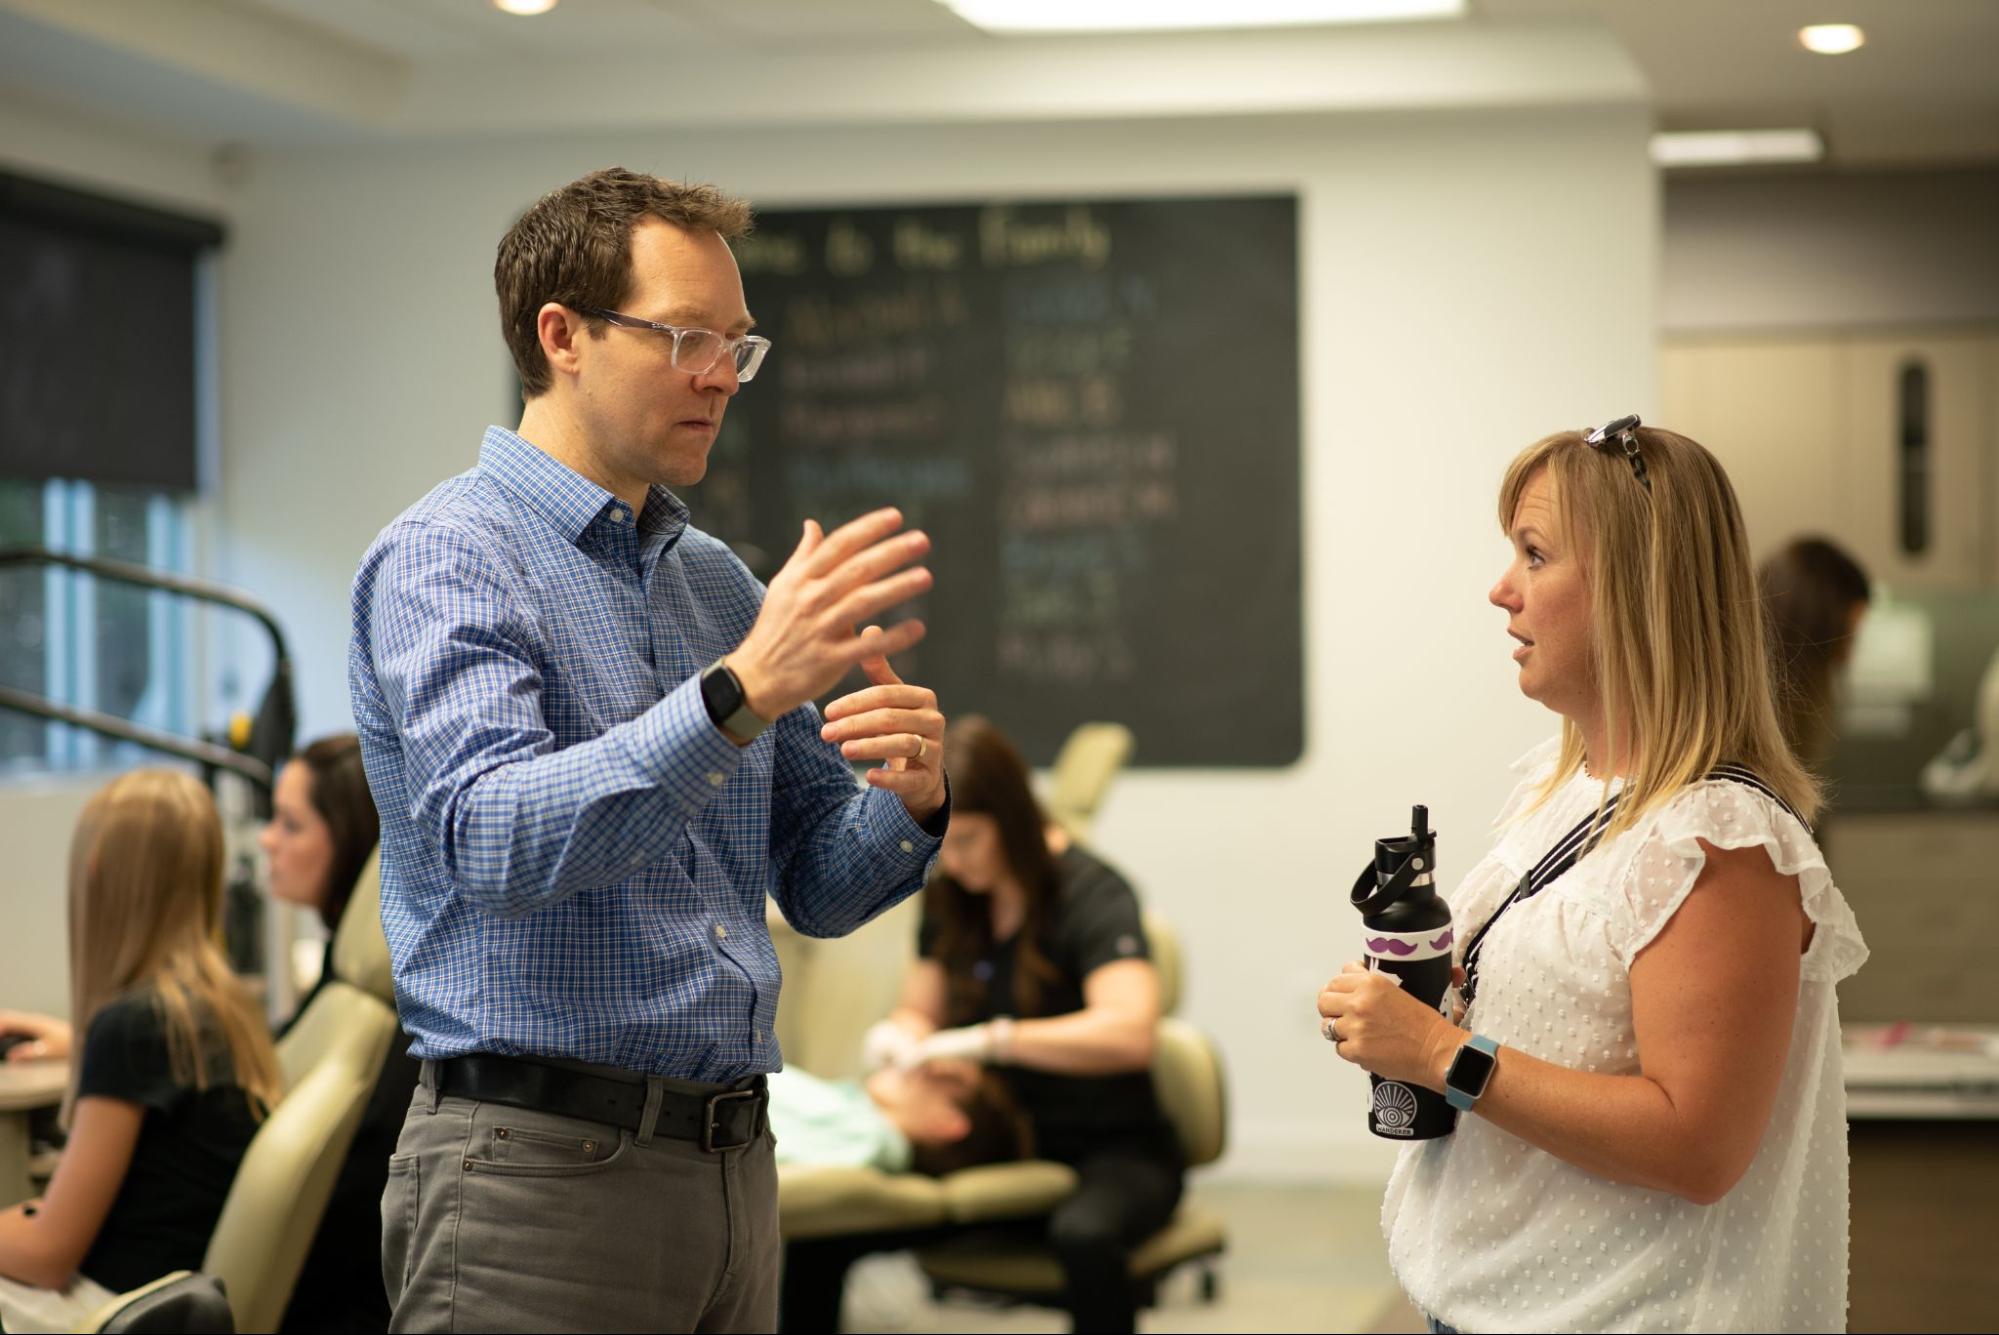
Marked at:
<point>720,693</point>
<point>1470,1070</point>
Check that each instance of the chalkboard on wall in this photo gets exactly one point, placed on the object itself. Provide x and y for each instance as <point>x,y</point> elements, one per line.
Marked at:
<point>1092,407</point>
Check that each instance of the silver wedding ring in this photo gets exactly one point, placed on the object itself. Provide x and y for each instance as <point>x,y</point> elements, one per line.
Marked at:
<point>1326,1028</point>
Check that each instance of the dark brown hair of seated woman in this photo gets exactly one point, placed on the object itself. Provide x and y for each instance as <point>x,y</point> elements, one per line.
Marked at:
<point>1001,1133</point>
<point>340,795</point>
<point>990,778</point>
<point>1812,593</point>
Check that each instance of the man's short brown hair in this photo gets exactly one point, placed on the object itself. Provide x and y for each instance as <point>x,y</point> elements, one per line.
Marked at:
<point>575,247</point>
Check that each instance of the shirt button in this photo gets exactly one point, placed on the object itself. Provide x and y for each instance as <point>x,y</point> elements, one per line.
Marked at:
<point>908,847</point>
<point>715,778</point>
<point>721,932</point>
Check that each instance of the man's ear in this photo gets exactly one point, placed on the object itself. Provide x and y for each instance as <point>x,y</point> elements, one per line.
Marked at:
<point>561,331</point>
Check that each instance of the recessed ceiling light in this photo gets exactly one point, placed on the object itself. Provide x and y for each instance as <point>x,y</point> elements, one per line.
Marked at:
<point>1832,39</point>
<point>1735,148</point>
<point>524,8</point>
<point>1020,16</point>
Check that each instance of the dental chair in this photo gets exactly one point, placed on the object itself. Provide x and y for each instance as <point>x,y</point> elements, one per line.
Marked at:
<point>832,991</point>
<point>331,1060</point>
<point>1090,759</point>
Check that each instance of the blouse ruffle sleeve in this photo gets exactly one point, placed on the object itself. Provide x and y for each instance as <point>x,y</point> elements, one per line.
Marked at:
<point>1730,815</point>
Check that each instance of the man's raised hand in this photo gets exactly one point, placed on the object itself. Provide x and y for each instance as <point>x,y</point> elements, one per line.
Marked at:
<point>803,640</point>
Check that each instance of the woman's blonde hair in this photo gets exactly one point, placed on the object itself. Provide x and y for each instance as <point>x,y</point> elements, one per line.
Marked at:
<point>145,906</point>
<point>1677,644</point>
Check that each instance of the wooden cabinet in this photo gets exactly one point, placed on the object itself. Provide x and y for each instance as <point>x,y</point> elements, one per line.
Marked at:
<point>1916,422</point>
<point>1886,442</point>
<point>1921,1211</point>
<point>1770,410</point>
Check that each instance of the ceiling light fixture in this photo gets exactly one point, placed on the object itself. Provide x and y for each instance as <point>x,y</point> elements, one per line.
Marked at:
<point>1025,16</point>
<point>1832,39</point>
<point>1735,148</point>
<point>524,8</point>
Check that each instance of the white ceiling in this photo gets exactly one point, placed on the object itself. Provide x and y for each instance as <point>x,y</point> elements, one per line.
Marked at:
<point>299,71</point>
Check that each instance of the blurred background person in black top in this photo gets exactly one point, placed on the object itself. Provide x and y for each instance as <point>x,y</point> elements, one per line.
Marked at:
<point>1815,596</point>
<point>177,1067</point>
<point>323,829</point>
<point>1032,960</point>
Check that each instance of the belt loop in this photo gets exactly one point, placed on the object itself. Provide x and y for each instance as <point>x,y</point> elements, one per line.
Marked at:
<point>430,1082</point>
<point>655,1095</point>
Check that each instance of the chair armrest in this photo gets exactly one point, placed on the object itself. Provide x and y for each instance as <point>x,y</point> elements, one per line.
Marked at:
<point>824,1201</point>
<point>1006,1190</point>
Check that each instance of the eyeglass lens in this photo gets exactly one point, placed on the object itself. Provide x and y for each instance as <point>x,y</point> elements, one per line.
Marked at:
<point>696,351</point>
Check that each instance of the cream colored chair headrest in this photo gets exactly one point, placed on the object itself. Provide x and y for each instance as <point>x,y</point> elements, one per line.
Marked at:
<point>1082,773</point>
<point>1165,944</point>
<point>360,951</point>
<point>1187,1074</point>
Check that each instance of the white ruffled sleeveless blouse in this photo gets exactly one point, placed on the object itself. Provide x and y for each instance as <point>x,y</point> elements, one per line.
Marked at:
<point>1488,1233</point>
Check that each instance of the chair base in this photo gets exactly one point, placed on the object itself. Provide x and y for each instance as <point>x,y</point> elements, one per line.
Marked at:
<point>1022,1268</point>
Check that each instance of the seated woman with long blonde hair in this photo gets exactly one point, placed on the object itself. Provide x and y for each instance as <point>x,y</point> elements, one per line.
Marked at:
<point>176,1067</point>
<point>1650,1058</point>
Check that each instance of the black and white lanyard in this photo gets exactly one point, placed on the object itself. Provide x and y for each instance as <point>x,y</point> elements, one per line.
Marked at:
<point>1572,847</point>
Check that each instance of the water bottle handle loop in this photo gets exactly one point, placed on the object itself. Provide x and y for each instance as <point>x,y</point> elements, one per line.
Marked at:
<point>1370,897</point>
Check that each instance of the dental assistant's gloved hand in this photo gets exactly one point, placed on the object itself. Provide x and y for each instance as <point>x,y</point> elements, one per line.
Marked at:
<point>976,1043</point>
<point>888,1044</point>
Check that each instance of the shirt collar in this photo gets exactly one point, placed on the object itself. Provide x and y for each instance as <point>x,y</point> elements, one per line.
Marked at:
<point>570,502</point>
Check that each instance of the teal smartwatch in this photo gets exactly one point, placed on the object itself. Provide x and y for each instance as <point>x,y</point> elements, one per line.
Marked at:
<point>1471,1071</point>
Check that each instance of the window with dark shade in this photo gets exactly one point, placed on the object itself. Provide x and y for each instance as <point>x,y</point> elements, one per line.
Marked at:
<point>100,356</point>
<point>97,338</point>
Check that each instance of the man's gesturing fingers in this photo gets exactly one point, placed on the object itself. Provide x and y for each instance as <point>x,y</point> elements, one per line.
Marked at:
<point>851,538</point>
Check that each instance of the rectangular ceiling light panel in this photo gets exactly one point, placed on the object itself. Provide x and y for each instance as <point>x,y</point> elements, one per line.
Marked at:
<point>1735,148</point>
<point>1025,16</point>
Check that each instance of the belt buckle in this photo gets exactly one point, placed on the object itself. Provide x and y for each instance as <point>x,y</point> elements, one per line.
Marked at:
<point>708,1112</point>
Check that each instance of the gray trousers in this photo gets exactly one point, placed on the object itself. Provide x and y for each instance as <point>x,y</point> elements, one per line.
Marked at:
<point>504,1219</point>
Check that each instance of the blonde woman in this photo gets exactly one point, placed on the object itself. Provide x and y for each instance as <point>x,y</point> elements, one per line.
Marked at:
<point>1655,1134</point>
<point>176,1066</point>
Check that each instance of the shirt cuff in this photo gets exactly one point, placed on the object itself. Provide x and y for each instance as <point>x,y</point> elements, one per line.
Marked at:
<point>681,749</point>
<point>887,827</point>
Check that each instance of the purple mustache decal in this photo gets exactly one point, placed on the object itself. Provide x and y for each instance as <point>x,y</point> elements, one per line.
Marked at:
<point>1381,945</point>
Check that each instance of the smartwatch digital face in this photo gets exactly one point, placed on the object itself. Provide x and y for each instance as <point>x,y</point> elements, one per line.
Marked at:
<point>1470,1070</point>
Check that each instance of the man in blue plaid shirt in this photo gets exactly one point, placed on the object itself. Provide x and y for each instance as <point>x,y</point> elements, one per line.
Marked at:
<point>590,734</point>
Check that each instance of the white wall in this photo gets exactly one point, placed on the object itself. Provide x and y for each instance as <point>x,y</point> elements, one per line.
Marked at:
<point>1471,282</point>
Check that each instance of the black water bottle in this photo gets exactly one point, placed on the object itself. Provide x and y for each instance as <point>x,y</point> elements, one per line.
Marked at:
<point>1406,931</point>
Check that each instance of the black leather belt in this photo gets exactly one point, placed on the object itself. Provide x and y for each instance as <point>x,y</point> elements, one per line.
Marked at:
<point>727,1120</point>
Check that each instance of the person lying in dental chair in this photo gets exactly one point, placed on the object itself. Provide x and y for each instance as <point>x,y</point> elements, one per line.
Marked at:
<point>934,1119</point>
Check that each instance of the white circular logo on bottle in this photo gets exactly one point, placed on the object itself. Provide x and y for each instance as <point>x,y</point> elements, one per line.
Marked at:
<point>1394,1106</point>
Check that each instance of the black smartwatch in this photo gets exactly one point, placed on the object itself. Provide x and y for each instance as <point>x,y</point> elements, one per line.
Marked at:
<point>1471,1071</point>
<point>722,692</point>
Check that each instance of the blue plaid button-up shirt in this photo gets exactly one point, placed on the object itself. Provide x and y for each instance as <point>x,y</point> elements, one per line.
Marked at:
<point>574,858</point>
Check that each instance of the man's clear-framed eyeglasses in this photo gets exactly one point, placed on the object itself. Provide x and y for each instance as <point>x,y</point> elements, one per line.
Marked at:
<point>696,351</point>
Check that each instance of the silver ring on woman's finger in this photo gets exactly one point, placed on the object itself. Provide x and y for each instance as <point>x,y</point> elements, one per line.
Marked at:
<point>1326,1029</point>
